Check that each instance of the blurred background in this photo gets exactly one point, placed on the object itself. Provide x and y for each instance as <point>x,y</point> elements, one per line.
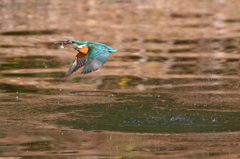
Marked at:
<point>171,90</point>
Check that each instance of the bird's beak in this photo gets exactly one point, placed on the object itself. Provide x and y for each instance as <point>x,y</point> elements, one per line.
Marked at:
<point>62,42</point>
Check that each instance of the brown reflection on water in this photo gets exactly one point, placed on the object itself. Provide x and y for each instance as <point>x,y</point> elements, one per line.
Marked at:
<point>65,143</point>
<point>186,49</point>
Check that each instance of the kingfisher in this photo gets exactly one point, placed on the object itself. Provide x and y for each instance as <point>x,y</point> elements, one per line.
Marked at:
<point>91,55</point>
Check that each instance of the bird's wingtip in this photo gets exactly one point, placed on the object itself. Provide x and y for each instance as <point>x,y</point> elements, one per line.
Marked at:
<point>112,50</point>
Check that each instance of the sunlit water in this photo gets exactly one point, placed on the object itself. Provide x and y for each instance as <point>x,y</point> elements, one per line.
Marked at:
<point>171,90</point>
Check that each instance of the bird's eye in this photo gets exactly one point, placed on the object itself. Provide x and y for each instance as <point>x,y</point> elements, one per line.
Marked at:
<point>71,42</point>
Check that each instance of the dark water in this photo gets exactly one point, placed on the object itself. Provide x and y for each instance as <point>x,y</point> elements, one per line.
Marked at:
<point>171,90</point>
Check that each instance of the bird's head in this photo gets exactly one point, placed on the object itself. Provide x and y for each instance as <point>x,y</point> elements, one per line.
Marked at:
<point>78,45</point>
<point>70,42</point>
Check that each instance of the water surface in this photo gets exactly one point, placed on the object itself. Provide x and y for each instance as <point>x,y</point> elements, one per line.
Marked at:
<point>171,91</point>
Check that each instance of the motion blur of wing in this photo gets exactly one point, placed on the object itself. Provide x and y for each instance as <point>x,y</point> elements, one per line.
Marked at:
<point>78,62</point>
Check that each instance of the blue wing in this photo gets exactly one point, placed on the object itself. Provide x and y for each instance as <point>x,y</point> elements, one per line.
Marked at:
<point>78,62</point>
<point>95,60</point>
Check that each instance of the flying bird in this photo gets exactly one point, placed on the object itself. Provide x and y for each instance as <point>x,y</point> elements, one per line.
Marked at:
<point>91,55</point>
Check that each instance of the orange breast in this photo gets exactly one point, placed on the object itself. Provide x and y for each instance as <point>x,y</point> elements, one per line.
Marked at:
<point>83,50</point>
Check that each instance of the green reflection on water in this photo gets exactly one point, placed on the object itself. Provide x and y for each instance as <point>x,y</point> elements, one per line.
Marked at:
<point>9,88</point>
<point>12,46</point>
<point>28,62</point>
<point>52,74</point>
<point>38,146</point>
<point>9,100</point>
<point>151,112</point>
<point>27,32</point>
